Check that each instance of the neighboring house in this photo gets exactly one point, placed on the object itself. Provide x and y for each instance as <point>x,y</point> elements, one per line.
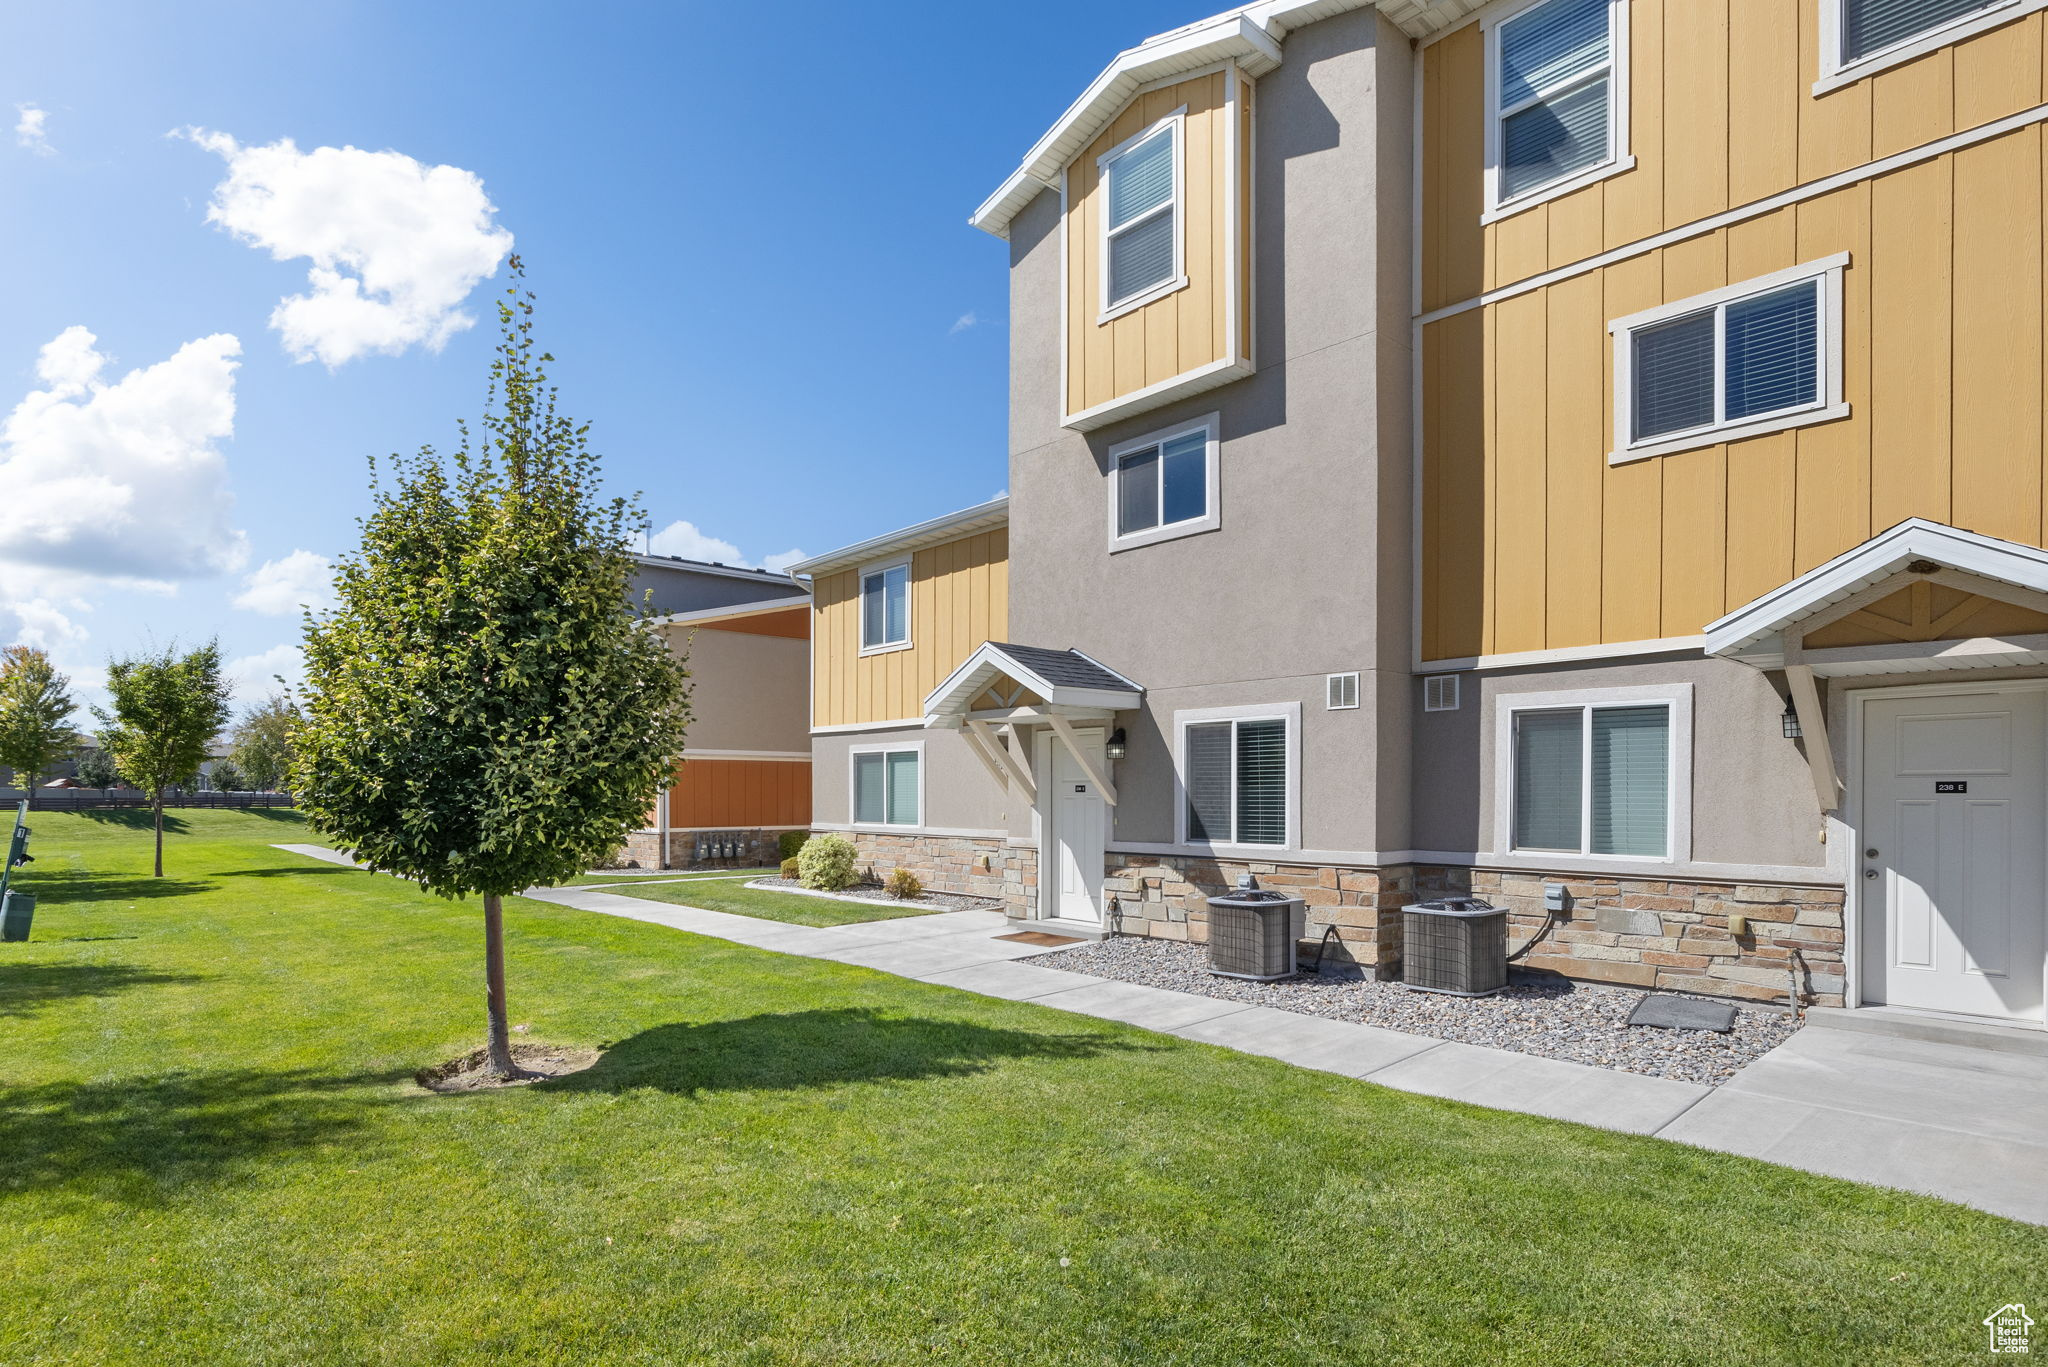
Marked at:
<point>1481,447</point>
<point>893,617</point>
<point>746,770</point>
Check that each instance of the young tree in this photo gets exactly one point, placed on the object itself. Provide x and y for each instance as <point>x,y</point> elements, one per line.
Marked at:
<point>484,710</point>
<point>35,714</point>
<point>96,768</point>
<point>167,710</point>
<point>263,742</point>
<point>226,778</point>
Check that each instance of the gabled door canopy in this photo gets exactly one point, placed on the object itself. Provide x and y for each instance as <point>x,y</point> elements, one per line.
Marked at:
<point>1067,687</point>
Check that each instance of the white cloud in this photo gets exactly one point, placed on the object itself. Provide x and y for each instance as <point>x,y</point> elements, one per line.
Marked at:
<point>962,323</point>
<point>31,130</point>
<point>395,245</point>
<point>281,587</point>
<point>255,676</point>
<point>685,540</point>
<point>122,479</point>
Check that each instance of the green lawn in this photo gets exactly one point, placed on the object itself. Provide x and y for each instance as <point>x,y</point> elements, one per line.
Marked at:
<point>211,1152</point>
<point>769,904</point>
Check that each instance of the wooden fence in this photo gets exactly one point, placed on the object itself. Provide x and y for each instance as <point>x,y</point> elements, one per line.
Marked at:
<point>78,799</point>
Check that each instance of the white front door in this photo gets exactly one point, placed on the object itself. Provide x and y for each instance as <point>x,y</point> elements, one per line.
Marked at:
<point>1076,822</point>
<point>1953,831</point>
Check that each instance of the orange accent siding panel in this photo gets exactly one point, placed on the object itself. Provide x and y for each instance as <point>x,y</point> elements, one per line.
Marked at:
<point>741,793</point>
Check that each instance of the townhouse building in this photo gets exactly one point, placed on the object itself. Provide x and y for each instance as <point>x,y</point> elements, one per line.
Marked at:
<point>1543,446</point>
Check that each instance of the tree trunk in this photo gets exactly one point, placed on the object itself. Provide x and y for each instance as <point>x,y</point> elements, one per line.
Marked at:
<point>500,1044</point>
<point>158,805</point>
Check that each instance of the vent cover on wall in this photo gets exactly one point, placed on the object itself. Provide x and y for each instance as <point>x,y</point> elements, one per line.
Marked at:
<point>1343,690</point>
<point>1440,693</point>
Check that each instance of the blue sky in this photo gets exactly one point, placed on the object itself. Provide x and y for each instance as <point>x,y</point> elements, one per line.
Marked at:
<point>746,225</point>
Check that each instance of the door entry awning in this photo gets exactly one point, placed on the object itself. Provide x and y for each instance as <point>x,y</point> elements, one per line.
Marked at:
<point>1065,681</point>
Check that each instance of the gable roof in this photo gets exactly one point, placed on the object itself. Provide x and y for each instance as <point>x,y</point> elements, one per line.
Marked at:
<point>1064,678</point>
<point>1250,35</point>
<point>1884,555</point>
<point>951,526</point>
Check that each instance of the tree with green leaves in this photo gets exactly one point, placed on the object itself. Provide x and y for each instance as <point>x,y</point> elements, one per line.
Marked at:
<point>485,710</point>
<point>167,708</point>
<point>226,778</point>
<point>35,714</point>
<point>262,742</point>
<point>96,767</point>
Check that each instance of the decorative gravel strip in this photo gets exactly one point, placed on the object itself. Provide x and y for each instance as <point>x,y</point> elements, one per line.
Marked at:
<point>931,901</point>
<point>1537,1014</point>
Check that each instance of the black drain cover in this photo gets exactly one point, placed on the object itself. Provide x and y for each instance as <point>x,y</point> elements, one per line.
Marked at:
<point>1682,1013</point>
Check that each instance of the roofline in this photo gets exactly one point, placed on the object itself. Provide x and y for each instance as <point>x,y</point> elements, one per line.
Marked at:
<point>676,562</point>
<point>798,602</point>
<point>995,512</point>
<point>1250,34</point>
<point>991,655</point>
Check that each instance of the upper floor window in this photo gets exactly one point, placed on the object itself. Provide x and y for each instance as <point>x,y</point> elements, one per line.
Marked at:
<point>1141,238</point>
<point>1238,770</point>
<point>885,607</point>
<point>1558,97</point>
<point>1163,485</point>
<point>1599,772</point>
<point>1753,358</point>
<point>1859,37</point>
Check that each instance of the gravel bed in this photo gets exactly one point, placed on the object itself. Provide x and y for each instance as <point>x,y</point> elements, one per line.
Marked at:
<point>1537,1014</point>
<point>934,901</point>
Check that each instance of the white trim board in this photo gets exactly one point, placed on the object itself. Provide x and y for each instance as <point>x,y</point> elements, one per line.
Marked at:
<point>1677,697</point>
<point>847,728</point>
<point>1522,659</point>
<point>794,756</point>
<point>1210,425</point>
<point>1835,73</point>
<point>947,832</point>
<point>1618,158</point>
<point>1817,876</point>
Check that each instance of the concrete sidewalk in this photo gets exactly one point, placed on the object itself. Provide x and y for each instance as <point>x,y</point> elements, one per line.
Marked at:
<point>1947,1118</point>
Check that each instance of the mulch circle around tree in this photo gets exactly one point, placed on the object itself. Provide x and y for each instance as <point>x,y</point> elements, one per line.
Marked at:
<point>536,1063</point>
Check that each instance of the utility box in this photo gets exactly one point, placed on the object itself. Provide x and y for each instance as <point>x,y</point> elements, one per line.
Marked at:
<point>17,912</point>
<point>1455,945</point>
<point>1251,932</point>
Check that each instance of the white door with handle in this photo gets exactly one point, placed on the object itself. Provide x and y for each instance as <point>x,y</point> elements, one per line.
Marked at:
<point>1953,851</point>
<point>1076,823</point>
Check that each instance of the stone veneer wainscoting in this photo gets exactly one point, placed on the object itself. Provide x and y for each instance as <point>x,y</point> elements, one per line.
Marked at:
<point>976,866</point>
<point>1167,897</point>
<point>763,850</point>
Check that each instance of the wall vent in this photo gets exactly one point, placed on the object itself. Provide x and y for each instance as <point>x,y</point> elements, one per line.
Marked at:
<point>1343,691</point>
<point>1440,693</point>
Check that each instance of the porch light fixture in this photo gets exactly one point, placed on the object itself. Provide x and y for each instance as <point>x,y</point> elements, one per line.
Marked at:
<point>1790,721</point>
<point>1115,747</point>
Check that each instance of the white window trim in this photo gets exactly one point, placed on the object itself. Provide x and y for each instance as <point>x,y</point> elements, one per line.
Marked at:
<point>1212,465</point>
<point>1677,806</point>
<point>1828,405</point>
<point>861,593</point>
<point>853,786</point>
<point>1836,73</point>
<point>1619,158</point>
<point>1111,309</point>
<point>1290,713</point>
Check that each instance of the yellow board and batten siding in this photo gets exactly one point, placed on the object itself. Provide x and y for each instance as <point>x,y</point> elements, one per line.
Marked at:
<point>1531,539</point>
<point>959,598</point>
<point>1190,327</point>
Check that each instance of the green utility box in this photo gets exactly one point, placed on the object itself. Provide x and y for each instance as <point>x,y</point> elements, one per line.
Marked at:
<point>17,913</point>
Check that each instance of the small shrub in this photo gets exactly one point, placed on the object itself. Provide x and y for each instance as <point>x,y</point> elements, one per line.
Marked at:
<point>825,864</point>
<point>790,844</point>
<point>789,868</point>
<point>904,886</point>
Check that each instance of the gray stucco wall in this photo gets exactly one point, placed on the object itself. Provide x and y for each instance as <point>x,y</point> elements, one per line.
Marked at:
<point>748,692</point>
<point>1308,573</point>
<point>1752,797</point>
<point>959,794</point>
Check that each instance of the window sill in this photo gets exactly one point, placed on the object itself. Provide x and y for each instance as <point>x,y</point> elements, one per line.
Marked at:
<point>1717,436</point>
<point>885,650</point>
<point>1592,175</point>
<point>1965,26</point>
<point>1182,386</point>
<point>1138,301</point>
<point>1174,532</point>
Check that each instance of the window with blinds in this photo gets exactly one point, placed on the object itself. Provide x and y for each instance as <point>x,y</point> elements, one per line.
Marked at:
<point>1593,780</point>
<point>1744,359</point>
<point>885,788</point>
<point>1236,777</point>
<point>1871,26</point>
<point>1555,99</point>
<point>885,607</point>
<point>1141,216</point>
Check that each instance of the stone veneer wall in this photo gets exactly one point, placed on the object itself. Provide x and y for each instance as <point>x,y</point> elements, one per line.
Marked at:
<point>1635,932</point>
<point>1167,897</point>
<point>977,866</point>
<point>1672,934</point>
<point>643,848</point>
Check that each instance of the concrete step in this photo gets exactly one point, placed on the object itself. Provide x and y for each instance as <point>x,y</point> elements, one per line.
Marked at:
<point>1053,925</point>
<point>1899,1023</point>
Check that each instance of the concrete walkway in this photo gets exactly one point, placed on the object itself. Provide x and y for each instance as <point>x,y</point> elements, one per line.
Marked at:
<point>1949,1119</point>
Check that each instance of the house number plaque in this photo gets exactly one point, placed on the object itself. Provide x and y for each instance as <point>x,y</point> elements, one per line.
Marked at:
<point>1951,785</point>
